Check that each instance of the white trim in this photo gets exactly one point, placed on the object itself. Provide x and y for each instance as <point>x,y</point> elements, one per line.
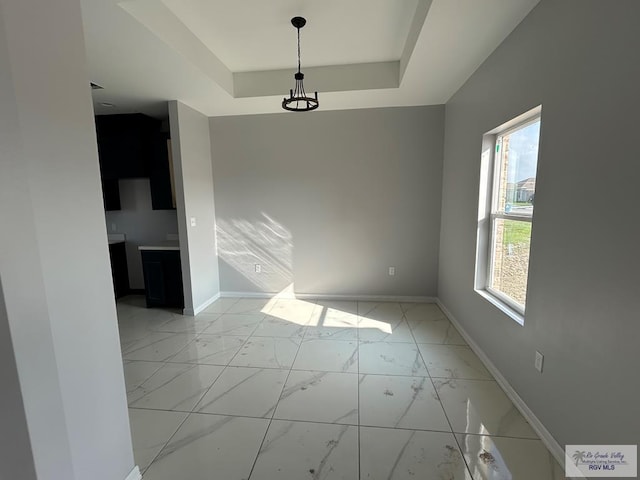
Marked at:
<point>370,298</point>
<point>512,216</point>
<point>205,304</point>
<point>504,302</point>
<point>522,121</point>
<point>515,122</point>
<point>322,296</point>
<point>248,294</point>
<point>134,474</point>
<point>552,445</point>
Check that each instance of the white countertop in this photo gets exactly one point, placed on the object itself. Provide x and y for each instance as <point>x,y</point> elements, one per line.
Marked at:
<point>168,245</point>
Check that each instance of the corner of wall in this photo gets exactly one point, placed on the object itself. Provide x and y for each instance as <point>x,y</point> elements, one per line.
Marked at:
<point>554,447</point>
<point>134,474</point>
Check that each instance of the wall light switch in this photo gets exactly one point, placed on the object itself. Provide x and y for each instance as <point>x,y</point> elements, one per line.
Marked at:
<point>193,221</point>
<point>539,361</point>
<point>258,268</point>
<point>392,271</point>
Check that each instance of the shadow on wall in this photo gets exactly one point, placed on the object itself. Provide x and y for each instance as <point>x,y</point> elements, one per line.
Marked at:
<point>244,245</point>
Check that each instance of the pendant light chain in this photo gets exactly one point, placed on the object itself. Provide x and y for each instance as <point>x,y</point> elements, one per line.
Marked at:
<point>298,101</point>
<point>298,50</point>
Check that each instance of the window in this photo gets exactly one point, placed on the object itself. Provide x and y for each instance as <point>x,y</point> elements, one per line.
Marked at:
<point>510,160</point>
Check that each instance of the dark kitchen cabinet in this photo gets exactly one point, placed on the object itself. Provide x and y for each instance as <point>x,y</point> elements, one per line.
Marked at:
<point>119,269</point>
<point>132,146</point>
<point>126,144</point>
<point>161,175</point>
<point>111,194</point>
<point>163,278</point>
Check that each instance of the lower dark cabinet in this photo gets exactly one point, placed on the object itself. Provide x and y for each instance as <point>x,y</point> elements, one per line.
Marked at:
<point>119,269</point>
<point>162,278</point>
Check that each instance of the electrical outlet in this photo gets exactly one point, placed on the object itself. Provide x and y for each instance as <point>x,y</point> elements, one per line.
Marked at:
<point>392,271</point>
<point>539,361</point>
<point>258,268</point>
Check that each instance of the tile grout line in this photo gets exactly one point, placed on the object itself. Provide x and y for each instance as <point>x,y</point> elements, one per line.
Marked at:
<point>224,369</point>
<point>455,438</point>
<point>187,414</point>
<point>319,422</point>
<point>246,340</point>
<point>275,407</point>
<point>168,440</point>
<point>358,405</point>
<point>446,416</point>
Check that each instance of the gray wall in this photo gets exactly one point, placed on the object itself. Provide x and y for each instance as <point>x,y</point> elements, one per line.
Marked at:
<point>329,200</point>
<point>54,261</point>
<point>16,459</point>
<point>579,59</point>
<point>191,148</point>
<point>140,223</point>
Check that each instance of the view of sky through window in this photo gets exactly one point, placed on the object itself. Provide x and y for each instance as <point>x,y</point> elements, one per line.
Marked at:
<point>523,153</point>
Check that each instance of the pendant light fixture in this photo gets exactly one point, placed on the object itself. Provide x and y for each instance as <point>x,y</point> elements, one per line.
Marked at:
<point>298,100</point>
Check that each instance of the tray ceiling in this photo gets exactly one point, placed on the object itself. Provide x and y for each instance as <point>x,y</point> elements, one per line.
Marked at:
<point>224,57</point>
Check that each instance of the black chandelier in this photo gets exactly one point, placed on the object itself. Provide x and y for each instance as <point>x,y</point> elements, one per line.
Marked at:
<point>298,100</point>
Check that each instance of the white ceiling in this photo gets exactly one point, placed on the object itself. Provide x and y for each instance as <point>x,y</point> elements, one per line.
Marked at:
<point>257,35</point>
<point>145,52</point>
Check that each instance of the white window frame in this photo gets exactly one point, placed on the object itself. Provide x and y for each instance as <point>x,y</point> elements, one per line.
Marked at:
<point>488,214</point>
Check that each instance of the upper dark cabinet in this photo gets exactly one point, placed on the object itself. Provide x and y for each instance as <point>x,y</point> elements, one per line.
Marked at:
<point>160,175</point>
<point>111,194</point>
<point>126,145</point>
<point>132,146</point>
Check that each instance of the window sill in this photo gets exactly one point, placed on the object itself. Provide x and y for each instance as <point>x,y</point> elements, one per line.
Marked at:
<point>503,307</point>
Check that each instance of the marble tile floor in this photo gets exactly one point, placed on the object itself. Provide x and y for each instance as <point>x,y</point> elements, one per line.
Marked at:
<point>281,389</point>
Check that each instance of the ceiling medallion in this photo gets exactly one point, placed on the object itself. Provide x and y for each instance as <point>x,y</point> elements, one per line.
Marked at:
<point>298,100</point>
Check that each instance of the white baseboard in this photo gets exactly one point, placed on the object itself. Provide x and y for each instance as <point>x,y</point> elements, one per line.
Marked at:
<point>554,447</point>
<point>322,296</point>
<point>134,474</point>
<point>251,295</point>
<point>192,312</point>
<point>206,303</point>
<point>368,298</point>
